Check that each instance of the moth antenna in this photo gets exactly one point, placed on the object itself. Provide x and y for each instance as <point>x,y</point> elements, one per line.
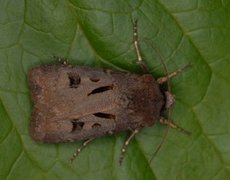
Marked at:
<point>168,110</point>
<point>159,145</point>
<point>171,125</point>
<point>167,80</point>
<point>164,65</point>
<point>160,81</point>
<point>84,144</point>
<point>144,68</point>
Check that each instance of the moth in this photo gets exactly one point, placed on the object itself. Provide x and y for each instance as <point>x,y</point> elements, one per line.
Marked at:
<point>74,103</point>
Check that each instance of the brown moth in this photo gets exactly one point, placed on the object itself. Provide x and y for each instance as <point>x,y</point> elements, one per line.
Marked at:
<point>78,103</point>
<point>73,103</point>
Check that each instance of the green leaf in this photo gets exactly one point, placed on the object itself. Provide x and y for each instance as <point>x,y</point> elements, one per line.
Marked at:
<point>99,33</point>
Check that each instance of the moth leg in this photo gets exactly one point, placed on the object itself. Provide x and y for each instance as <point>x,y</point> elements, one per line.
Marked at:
<point>124,148</point>
<point>84,144</point>
<point>61,60</point>
<point>137,49</point>
<point>174,126</point>
<point>164,79</point>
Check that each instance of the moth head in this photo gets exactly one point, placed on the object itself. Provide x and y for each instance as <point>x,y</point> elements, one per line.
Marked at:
<point>169,99</point>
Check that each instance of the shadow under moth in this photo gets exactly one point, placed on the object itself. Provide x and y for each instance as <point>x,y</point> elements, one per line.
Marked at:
<point>73,103</point>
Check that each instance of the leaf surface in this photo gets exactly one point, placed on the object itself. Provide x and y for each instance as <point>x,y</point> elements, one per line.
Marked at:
<point>99,33</point>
